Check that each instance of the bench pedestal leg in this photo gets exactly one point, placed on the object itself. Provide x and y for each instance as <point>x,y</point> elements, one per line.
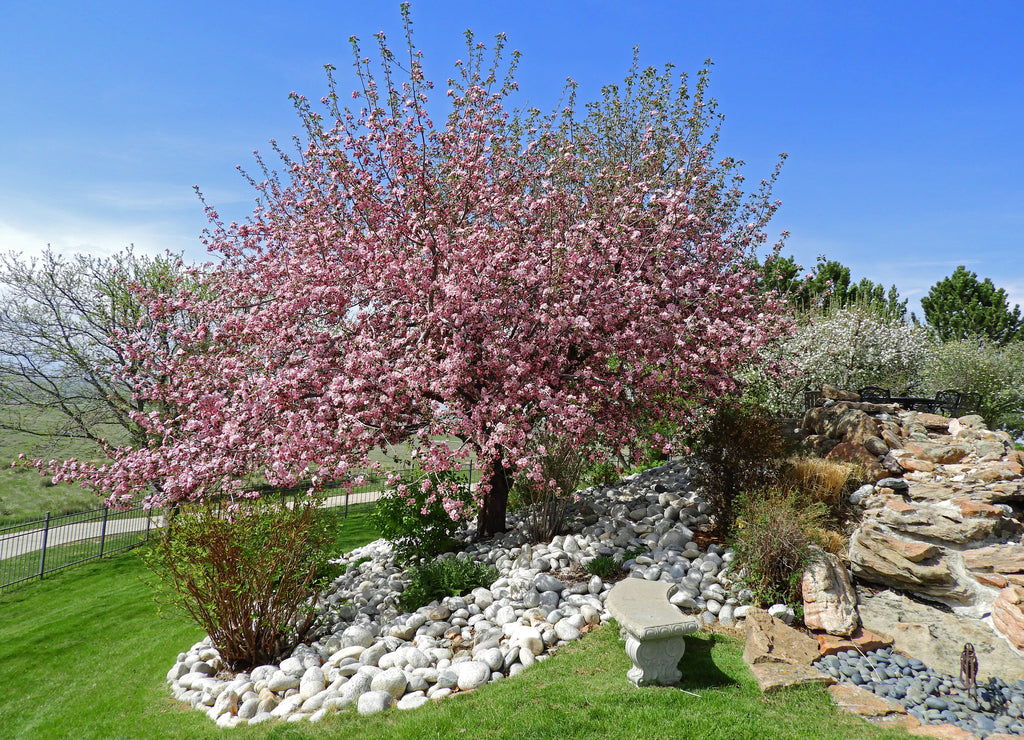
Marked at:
<point>655,661</point>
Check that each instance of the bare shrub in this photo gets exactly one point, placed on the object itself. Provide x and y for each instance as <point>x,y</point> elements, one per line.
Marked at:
<point>563,467</point>
<point>247,574</point>
<point>741,449</point>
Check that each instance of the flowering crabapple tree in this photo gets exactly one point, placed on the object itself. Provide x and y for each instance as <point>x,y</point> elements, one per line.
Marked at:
<point>481,279</point>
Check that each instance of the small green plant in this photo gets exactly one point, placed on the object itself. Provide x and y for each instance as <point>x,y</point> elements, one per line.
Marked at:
<point>633,553</point>
<point>246,574</point>
<point>604,566</point>
<point>354,565</point>
<point>415,520</point>
<point>449,576</point>
<point>773,538</point>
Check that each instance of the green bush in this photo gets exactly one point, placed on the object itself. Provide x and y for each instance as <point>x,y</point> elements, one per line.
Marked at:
<point>448,576</point>
<point>603,473</point>
<point>247,574</point>
<point>773,538</point>
<point>980,366</point>
<point>414,518</point>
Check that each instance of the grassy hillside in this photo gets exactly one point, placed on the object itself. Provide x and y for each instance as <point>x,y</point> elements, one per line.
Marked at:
<point>24,493</point>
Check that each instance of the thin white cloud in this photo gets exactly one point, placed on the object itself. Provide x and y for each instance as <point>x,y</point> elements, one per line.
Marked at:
<point>76,235</point>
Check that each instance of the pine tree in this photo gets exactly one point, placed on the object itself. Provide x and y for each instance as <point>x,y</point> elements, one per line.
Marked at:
<point>961,306</point>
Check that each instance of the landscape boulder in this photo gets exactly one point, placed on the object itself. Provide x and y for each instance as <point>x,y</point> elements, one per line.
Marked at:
<point>830,603</point>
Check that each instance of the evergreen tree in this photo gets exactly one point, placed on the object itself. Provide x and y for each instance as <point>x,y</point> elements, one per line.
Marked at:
<point>961,306</point>
<point>830,282</point>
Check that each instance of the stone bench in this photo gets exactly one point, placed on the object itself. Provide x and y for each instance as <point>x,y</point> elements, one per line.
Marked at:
<point>654,629</point>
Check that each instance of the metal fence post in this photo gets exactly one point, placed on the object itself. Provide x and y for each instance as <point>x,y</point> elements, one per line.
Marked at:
<point>42,555</point>
<point>103,529</point>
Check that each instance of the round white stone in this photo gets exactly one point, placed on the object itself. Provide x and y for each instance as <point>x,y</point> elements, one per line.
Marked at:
<point>373,702</point>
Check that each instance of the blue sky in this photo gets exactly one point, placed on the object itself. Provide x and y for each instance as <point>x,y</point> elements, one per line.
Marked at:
<point>902,120</point>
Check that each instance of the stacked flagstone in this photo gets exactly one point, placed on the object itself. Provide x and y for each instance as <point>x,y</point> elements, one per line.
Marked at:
<point>942,520</point>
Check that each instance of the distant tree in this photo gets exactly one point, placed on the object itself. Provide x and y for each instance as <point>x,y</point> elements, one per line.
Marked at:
<point>960,306</point>
<point>405,280</point>
<point>63,371</point>
<point>829,283</point>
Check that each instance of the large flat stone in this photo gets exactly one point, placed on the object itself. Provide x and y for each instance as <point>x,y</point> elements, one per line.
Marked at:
<point>772,677</point>
<point>878,556</point>
<point>770,640</point>
<point>942,522</point>
<point>937,637</point>
<point>1006,558</point>
<point>861,640</point>
<point>857,700</point>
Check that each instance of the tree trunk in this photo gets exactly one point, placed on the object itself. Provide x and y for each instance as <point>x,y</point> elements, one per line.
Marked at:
<point>492,511</point>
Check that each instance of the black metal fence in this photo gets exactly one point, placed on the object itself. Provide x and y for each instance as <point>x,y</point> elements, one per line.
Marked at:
<point>31,549</point>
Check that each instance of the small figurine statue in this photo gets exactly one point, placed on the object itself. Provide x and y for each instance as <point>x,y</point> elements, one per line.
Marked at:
<point>969,670</point>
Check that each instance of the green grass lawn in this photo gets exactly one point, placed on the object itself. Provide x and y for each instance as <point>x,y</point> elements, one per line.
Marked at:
<point>83,655</point>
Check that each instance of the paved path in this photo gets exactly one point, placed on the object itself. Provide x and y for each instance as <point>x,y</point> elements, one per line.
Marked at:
<point>31,540</point>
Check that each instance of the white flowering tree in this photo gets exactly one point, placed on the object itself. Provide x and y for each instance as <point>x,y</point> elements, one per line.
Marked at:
<point>849,347</point>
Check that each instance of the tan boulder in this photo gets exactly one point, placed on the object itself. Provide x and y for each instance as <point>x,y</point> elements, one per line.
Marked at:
<point>770,640</point>
<point>875,445</point>
<point>945,454</point>
<point>854,452</point>
<point>838,394</point>
<point>995,580</point>
<point>1006,558</point>
<point>862,640</point>
<point>990,449</point>
<point>936,636</point>
<point>970,507</point>
<point>898,505</point>
<point>853,425</point>
<point>993,474</point>
<point>1003,491</point>
<point>1008,615</point>
<point>860,701</point>
<point>933,422</point>
<point>818,444</point>
<point>971,421</point>
<point>913,464</point>
<point>772,677</point>
<point>891,439</point>
<point>943,731</point>
<point>879,556</point>
<point>830,603</point>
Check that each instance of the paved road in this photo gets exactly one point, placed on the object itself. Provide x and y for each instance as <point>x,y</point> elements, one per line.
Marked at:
<point>21,543</point>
